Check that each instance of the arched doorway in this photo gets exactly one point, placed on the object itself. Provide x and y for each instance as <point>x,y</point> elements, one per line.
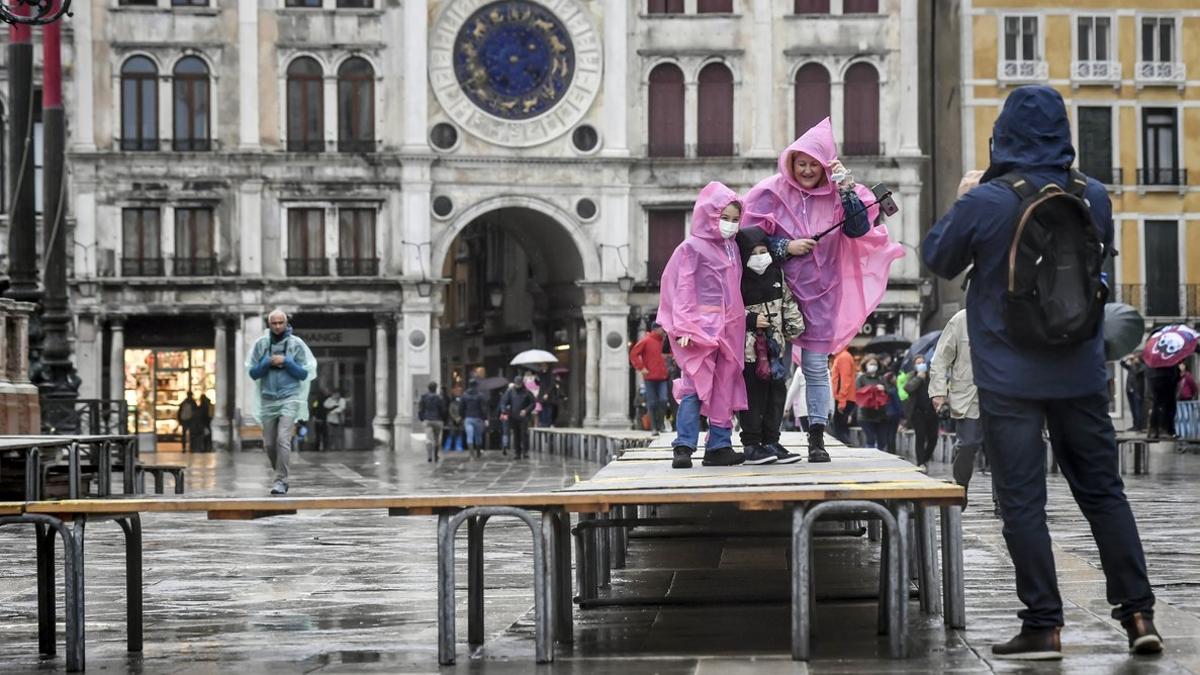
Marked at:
<point>513,277</point>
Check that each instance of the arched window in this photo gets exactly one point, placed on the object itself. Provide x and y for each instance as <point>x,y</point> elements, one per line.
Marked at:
<point>714,112</point>
<point>862,111</point>
<point>191,105</point>
<point>812,96</point>
<point>305,106</point>
<point>139,104</point>
<point>356,106</point>
<point>666,112</point>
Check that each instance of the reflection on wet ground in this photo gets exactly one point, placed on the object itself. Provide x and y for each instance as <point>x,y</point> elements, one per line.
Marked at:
<point>347,592</point>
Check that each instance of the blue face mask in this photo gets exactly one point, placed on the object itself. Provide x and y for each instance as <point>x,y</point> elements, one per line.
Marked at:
<point>922,367</point>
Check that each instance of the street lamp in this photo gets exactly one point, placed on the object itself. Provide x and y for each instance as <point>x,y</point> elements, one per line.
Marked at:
<point>425,285</point>
<point>495,295</point>
<point>45,11</point>
<point>625,281</point>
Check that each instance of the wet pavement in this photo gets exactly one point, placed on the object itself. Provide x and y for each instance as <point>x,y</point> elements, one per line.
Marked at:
<point>346,591</point>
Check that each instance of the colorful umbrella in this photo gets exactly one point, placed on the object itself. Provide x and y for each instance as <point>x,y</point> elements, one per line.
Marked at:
<point>533,357</point>
<point>1169,346</point>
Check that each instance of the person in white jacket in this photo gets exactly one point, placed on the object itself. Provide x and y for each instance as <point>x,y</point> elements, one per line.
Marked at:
<point>952,384</point>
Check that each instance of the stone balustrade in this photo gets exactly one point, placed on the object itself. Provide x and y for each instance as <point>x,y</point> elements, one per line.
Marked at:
<point>20,411</point>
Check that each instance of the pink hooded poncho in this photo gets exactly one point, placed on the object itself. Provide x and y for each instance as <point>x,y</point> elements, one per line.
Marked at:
<point>843,280</point>
<point>701,300</point>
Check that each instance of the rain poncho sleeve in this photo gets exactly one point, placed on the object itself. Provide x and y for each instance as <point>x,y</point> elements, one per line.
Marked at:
<point>295,404</point>
<point>701,300</point>
<point>845,277</point>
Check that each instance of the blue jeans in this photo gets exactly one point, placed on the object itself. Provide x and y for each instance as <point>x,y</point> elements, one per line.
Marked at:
<point>687,427</point>
<point>1081,434</point>
<point>817,391</point>
<point>656,402</point>
<point>474,427</point>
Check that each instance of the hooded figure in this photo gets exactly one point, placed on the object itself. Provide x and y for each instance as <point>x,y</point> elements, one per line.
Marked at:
<point>1023,391</point>
<point>844,278</point>
<point>701,310</point>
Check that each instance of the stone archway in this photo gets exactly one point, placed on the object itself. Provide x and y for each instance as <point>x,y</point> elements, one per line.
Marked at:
<point>513,269</point>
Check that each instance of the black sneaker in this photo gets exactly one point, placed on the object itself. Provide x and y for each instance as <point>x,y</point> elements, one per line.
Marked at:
<point>758,454</point>
<point>784,456</point>
<point>816,444</point>
<point>722,457</point>
<point>683,457</point>
<point>1031,644</point>
<point>1143,638</point>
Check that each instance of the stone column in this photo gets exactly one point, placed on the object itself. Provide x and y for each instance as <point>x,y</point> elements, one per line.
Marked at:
<point>908,98</point>
<point>763,79</point>
<point>616,81</point>
<point>8,400</point>
<point>837,103</point>
<point>84,136</point>
<point>413,361</point>
<point>592,376</point>
<point>691,114</point>
<point>250,232</point>
<point>382,424</point>
<point>220,423</point>
<point>116,358</point>
<point>248,123</point>
<point>87,353</point>
<point>614,366</point>
<point>252,328</point>
<point>416,78</point>
<point>29,409</point>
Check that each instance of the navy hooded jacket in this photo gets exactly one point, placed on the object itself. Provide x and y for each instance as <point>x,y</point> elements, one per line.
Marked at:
<point>1032,136</point>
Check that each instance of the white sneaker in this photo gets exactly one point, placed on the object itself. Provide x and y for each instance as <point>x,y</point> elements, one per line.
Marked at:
<point>280,488</point>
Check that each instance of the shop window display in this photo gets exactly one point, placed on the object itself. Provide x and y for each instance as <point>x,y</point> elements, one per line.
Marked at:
<point>158,380</point>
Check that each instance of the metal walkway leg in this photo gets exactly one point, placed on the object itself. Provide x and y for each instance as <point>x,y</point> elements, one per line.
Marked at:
<point>952,566</point>
<point>475,625</point>
<point>931,599</point>
<point>132,526</point>
<point>47,639</point>
<point>447,528</point>
<point>564,626</point>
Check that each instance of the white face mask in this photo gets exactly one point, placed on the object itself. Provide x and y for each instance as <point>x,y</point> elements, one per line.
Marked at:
<point>872,369</point>
<point>728,228</point>
<point>759,262</point>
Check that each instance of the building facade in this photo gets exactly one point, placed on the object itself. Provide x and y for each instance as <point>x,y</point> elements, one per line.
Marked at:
<point>1130,75</point>
<point>432,187</point>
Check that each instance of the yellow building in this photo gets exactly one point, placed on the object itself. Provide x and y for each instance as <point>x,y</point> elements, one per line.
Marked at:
<point>1130,75</point>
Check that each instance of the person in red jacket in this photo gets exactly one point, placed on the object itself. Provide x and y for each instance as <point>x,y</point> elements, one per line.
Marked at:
<point>646,357</point>
<point>844,393</point>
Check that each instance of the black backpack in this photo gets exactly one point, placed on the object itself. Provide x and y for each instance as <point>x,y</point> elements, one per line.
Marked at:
<point>1056,294</point>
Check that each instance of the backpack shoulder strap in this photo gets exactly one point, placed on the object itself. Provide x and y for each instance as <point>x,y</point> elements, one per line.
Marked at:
<point>1018,184</point>
<point>1077,184</point>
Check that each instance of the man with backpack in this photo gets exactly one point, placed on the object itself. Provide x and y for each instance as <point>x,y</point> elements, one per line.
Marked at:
<point>432,410</point>
<point>1037,234</point>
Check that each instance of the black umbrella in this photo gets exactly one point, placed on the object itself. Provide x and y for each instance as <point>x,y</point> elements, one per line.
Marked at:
<point>1123,330</point>
<point>887,344</point>
<point>491,383</point>
<point>923,346</point>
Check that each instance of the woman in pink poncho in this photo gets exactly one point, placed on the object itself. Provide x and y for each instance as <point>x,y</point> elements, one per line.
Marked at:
<point>701,310</point>
<point>839,280</point>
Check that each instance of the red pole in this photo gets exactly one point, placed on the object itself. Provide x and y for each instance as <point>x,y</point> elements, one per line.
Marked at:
<point>20,32</point>
<point>52,61</point>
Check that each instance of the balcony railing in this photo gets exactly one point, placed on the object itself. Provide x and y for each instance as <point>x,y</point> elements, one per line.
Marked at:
<point>356,145</point>
<point>1024,71</point>
<point>192,144</point>
<point>139,144</point>
<point>1169,177</point>
<point>1161,301</point>
<point>358,267</point>
<point>307,267</point>
<point>141,267</point>
<point>1096,72</point>
<point>305,145</point>
<point>1104,174</point>
<point>1159,73</point>
<point>194,267</point>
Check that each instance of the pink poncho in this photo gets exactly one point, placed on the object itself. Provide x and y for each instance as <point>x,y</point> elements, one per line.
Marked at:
<point>843,280</point>
<point>701,300</point>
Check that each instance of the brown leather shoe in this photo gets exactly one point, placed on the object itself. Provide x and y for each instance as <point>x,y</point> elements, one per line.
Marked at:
<point>1031,644</point>
<point>1143,638</point>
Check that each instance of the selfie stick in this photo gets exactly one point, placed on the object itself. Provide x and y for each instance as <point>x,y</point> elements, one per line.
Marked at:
<point>882,200</point>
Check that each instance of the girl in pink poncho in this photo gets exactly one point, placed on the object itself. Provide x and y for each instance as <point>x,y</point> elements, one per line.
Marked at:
<point>701,310</point>
<point>839,280</point>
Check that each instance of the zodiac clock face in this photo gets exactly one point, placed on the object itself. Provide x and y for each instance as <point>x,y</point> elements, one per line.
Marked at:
<point>515,72</point>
